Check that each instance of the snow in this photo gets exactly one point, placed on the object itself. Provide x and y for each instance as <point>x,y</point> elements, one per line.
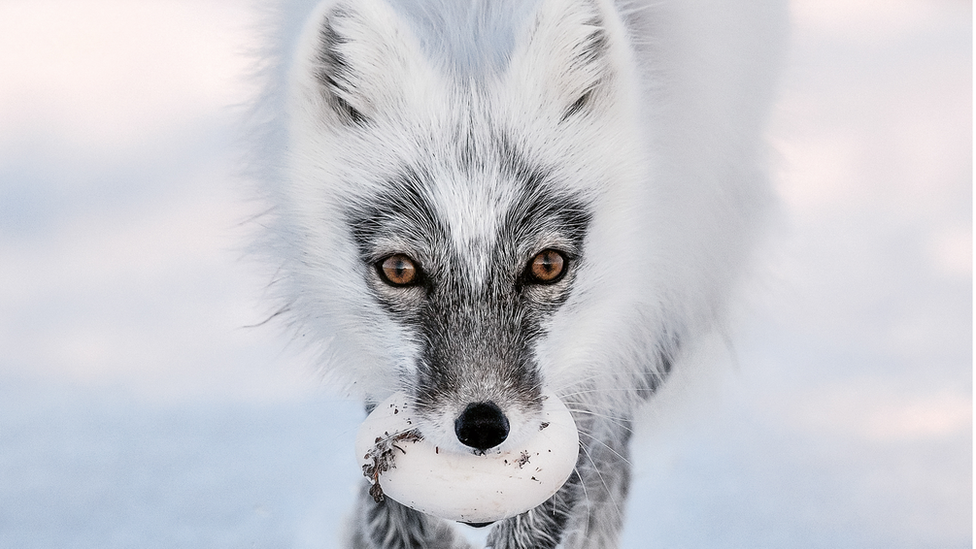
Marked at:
<point>137,410</point>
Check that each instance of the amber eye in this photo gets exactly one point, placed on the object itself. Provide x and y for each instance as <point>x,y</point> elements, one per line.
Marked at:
<point>399,270</point>
<point>546,267</point>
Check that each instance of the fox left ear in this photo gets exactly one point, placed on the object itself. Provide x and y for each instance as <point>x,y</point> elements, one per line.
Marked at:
<point>358,62</point>
<point>573,51</point>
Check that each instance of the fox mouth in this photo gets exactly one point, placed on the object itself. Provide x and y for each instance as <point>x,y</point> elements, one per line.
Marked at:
<point>473,486</point>
<point>480,426</point>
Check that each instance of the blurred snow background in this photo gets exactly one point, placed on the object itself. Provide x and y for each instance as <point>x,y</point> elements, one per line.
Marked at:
<point>137,411</point>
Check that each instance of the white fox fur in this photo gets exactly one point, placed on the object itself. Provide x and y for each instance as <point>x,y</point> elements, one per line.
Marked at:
<point>472,135</point>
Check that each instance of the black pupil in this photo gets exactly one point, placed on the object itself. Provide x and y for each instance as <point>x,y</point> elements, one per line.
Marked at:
<point>399,269</point>
<point>548,265</point>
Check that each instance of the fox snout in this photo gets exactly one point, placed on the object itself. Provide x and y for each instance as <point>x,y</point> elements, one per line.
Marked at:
<point>482,425</point>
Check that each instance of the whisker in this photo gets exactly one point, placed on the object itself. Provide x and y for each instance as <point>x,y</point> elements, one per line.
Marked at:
<point>599,475</point>
<point>608,447</point>
<point>586,495</point>
<point>618,420</point>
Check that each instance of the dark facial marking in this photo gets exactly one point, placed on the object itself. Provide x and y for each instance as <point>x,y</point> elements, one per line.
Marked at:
<point>542,208</point>
<point>403,211</point>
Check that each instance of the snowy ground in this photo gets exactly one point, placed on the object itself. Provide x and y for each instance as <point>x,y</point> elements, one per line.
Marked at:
<point>135,411</point>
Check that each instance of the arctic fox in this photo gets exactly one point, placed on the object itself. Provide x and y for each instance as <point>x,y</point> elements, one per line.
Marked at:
<point>479,202</point>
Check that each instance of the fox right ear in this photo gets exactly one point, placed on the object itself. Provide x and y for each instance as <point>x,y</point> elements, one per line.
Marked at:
<point>573,52</point>
<point>357,63</point>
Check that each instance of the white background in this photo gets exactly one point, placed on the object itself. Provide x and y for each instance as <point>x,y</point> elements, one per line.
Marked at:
<point>137,411</point>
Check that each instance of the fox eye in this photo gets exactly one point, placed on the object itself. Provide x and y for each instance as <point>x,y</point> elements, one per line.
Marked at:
<point>399,270</point>
<point>547,267</point>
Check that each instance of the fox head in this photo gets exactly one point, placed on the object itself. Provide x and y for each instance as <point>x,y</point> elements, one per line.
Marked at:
<point>475,235</point>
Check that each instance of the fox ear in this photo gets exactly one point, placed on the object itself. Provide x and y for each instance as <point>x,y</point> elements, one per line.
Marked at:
<point>571,53</point>
<point>361,61</point>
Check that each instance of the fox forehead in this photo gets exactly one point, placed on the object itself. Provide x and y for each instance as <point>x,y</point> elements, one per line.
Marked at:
<point>471,208</point>
<point>480,197</point>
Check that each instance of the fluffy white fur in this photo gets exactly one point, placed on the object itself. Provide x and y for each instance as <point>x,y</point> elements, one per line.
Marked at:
<point>666,146</point>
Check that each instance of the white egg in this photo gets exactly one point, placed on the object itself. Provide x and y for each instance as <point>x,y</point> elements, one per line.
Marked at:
<point>464,486</point>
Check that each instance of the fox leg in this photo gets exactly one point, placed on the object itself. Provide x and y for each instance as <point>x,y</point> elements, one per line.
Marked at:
<point>390,525</point>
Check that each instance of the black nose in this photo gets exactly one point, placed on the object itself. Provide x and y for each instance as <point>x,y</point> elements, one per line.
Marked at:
<point>481,425</point>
